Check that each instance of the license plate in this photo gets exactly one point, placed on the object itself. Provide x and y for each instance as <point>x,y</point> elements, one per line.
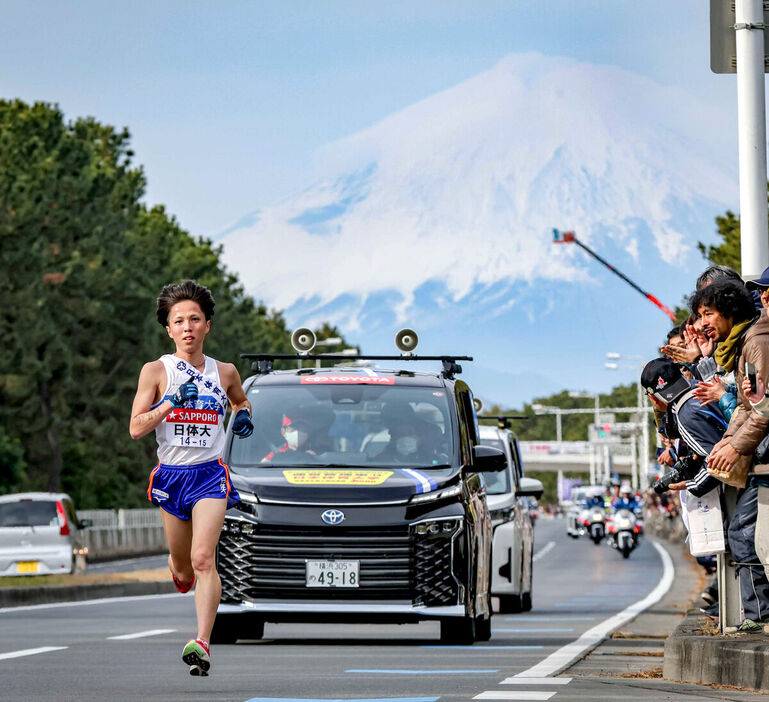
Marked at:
<point>332,573</point>
<point>26,567</point>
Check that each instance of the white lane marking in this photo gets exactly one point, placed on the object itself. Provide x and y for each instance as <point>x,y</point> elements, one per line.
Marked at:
<point>537,681</point>
<point>563,657</point>
<point>522,695</point>
<point>78,603</point>
<point>549,546</point>
<point>30,652</point>
<point>140,634</point>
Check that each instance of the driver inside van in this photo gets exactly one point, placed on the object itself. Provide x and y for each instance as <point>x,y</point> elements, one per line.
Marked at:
<point>301,434</point>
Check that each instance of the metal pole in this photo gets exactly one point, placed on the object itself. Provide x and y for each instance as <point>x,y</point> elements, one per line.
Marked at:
<point>751,111</point>
<point>634,468</point>
<point>644,467</point>
<point>558,426</point>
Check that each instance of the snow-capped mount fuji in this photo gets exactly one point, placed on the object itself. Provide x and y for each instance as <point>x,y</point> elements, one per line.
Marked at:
<point>454,197</point>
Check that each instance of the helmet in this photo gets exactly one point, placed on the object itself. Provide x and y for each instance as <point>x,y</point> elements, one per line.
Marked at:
<point>626,490</point>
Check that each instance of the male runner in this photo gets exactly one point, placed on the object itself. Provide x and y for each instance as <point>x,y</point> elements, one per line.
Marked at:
<point>183,396</point>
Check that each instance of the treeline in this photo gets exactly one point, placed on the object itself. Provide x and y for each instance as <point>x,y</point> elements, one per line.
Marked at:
<point>82,262</point>
<point>543,427</point>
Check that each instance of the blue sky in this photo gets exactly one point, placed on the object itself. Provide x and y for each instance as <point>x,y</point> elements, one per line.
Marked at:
<point>230,103</point>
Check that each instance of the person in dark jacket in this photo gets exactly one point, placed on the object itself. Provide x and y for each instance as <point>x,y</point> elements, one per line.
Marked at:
<point>701,427</point>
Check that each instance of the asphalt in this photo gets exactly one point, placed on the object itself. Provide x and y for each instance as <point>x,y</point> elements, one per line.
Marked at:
<point>577,587</point>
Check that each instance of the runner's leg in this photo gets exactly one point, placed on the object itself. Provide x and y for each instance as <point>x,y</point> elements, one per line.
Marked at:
<point>207,520</point>
<point>179,537</point>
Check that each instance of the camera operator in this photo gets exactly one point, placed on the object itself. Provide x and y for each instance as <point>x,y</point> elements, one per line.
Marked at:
<point>699,427</point>
<point>742,334</point>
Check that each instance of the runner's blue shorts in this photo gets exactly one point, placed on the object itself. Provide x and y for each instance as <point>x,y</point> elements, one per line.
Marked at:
<point>176,489</point>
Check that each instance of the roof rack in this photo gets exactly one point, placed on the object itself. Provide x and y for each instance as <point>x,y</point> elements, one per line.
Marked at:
<point>263,362</point>
<point>504,420</point>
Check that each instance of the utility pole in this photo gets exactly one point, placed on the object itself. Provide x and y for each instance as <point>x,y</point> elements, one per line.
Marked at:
<point>751,115</point>
<point>739,43</point>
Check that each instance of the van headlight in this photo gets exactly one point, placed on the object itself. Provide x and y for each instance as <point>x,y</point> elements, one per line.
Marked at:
<point>453,491</point>
<point>248,502</point>
<point>438,527</point>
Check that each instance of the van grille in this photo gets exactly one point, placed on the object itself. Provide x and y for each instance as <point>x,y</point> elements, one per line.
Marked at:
<point>395,564</point>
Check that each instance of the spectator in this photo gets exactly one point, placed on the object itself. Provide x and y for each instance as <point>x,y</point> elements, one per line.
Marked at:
<point>730,317</point>
<point>760,288</point>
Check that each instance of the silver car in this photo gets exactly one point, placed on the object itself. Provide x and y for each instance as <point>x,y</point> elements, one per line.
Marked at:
<point>513,539</point>
<point>40,535</point>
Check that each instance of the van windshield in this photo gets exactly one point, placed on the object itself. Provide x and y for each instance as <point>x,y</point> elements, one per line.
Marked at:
<point>28,513</point>
<point>346,425</point>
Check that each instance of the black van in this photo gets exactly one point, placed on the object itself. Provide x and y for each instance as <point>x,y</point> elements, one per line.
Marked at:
<point>362,501</point>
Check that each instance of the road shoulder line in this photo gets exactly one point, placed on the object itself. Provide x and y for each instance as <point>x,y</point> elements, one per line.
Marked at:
<point>563,657</point>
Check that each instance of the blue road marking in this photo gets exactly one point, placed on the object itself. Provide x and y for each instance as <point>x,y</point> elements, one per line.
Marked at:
<point>421,672</point>
<point>485,648</point>
<point>318,699</point>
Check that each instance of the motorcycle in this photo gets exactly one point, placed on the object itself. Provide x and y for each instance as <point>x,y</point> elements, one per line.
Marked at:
<point>624,530</point>
<point>595,524</point>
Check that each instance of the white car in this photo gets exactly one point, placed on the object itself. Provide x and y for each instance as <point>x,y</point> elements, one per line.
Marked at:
<point>513,540</point>
<point>40,534</point>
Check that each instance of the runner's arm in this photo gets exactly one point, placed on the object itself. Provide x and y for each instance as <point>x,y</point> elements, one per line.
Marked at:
<point>143,418</point>
<point>233,388</point>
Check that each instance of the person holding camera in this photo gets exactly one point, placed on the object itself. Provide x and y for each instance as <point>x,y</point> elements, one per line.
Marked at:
<point>730,317</point>
<point>698,427</point>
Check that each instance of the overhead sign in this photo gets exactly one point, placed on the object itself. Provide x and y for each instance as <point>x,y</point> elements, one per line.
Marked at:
<point>723,41</point>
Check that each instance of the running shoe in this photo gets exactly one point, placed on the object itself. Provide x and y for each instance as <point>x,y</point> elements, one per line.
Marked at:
<point>746,627</point>
<point>196,655</point>
<point>180,586</point>
<point>710,594</point>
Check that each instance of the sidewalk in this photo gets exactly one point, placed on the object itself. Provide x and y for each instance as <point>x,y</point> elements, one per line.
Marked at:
<point>71,588</point>
<point>648,653</point>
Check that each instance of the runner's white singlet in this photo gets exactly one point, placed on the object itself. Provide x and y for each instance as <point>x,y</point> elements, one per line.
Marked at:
<point>193,433</point>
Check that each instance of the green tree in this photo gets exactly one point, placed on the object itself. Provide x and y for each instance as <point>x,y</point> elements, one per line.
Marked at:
<point>83,261</point>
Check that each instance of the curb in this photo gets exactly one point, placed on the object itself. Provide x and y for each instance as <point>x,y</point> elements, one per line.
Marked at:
<point>46,594</point>
<point>691,656</point>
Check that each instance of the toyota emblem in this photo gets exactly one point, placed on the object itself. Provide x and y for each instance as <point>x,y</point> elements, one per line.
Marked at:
<point>332,516</point>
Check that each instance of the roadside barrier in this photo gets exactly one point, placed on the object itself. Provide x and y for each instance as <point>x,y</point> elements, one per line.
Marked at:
<point>122,532</point>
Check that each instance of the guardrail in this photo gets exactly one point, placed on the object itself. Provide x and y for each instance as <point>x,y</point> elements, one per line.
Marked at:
<point>122,532</point>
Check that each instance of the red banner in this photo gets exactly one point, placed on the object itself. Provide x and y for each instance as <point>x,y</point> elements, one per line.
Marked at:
<point>193,416</point>
<point>347,380</point>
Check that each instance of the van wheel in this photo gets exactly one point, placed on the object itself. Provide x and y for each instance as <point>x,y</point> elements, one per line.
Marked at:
<point>483,629</point>
<point>458,631</point>
<point>509,604</point>
<point>228,628</point>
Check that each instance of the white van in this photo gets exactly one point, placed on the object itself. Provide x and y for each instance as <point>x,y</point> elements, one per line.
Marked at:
<point>513,539</point>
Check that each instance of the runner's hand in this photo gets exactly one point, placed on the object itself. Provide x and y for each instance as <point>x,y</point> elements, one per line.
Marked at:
<point>186,391</point>
<point>242,425</point>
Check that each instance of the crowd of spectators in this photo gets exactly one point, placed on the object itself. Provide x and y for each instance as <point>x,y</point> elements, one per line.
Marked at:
<point>712,415</point>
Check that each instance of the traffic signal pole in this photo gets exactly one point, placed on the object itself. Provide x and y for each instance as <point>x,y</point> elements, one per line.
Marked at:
<point>751,116</point>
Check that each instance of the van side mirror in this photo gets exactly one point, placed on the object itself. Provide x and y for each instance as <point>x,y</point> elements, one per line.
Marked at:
<point>488,460</point>
<point>530,487</point>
